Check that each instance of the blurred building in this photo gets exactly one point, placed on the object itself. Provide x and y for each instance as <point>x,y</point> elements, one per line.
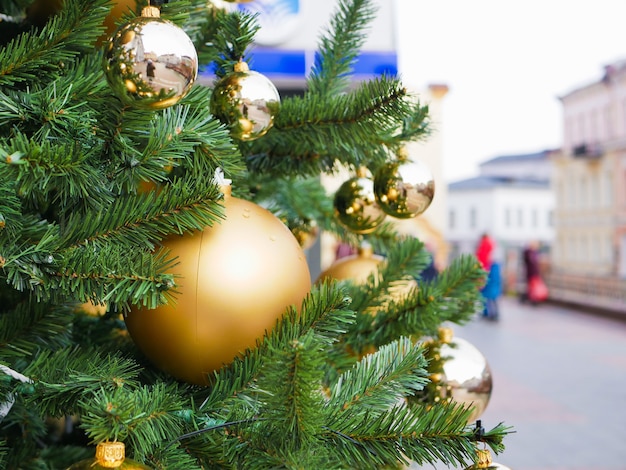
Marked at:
<point>512,200</point>
<point>589,255</point>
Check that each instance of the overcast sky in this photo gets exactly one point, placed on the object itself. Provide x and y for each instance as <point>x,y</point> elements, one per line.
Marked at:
<point>506,64</point>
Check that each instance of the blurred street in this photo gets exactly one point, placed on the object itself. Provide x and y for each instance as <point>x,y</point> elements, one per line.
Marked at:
<point>559,378</point>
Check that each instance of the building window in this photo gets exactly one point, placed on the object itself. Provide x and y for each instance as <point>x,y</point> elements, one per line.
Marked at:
<point>520,217</point>
<point>534,218</point>
<point>550,218</point>
<point>452,219</point>
<point>472,220</point>
<point>507,216</point>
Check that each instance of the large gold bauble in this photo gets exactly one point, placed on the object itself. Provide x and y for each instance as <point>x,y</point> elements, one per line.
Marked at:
<point>404,188</point>
<point>466,377</point>
<point>150,62</point>
<point>109,455</point>
<point>356,207</point>
<point>245,101</point>
<point>236,279</point>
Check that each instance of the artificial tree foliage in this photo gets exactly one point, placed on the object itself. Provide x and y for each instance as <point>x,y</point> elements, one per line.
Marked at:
<point>75,229</point>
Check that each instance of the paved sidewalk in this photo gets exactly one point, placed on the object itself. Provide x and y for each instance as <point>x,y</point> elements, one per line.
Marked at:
<point>559,378</point>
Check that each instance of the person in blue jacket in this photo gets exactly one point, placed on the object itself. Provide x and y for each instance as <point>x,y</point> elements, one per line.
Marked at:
<point>491,292</point>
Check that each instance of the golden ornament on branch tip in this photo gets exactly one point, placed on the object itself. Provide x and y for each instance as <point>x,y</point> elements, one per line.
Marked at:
<point>109,455</point>
<point>150,62</point>
<point>404,189</point>
<point>245,101</point>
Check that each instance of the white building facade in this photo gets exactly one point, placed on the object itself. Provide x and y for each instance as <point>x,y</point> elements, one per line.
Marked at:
<point>511,200</point>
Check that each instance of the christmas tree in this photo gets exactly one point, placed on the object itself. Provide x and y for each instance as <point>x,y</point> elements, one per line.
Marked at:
<point>112,190</point>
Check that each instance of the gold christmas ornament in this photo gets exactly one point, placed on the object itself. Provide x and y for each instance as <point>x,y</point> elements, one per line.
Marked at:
<point>356,207</point>
<point>109,455</point>
<point>359,267</point>
<point>484,461</point>
<point>245,101</point>
<point>92,309</point>
<point>119,8</point>
<point>466,376</point>
<point>404,188</point>
<point>150,62</point>
<point>306,232</point>
<point>236,279</point>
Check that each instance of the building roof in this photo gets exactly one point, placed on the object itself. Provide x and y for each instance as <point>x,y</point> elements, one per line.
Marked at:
<point>491,182</point>
<point>525,157</point>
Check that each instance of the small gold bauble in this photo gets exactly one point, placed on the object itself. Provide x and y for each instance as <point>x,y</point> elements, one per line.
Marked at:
<point>404,188</point>
<point>245,101</point>
<point>150,62</point>
<point>109,455</point>
<point>92,309</point>
<point>306,232</point>
<point>356,207</point>
<point>235,280</point>
<point>359,267</point>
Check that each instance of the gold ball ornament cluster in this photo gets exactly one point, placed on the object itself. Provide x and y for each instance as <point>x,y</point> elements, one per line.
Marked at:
<point>404,188</point>
<point>356,207</point>
<point>150,62</point>
<point>245,101</point>
<point>109,455</point>
<point>236,279</point>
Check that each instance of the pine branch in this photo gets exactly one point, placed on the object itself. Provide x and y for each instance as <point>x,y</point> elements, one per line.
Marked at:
<point>312,134</point>
<point>30,327</point>
<point>380,380</point>
<point>339,46</point>
<point>43,54</point>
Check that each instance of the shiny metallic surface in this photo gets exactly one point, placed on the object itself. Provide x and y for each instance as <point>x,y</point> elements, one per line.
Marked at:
<point>246,102</point>
<point>356,207</point>
<point>404,189</point>
<point>150,62</point>
<point>467,375</point>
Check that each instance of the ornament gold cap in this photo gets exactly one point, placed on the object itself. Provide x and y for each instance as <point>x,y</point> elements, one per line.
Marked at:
<point>445,334</point>
<point>110,454</point>
<point>151,12</point>
<point>365,250</point>
<point>483,458</point>
<point>241,66</point>
<point>403,154</point>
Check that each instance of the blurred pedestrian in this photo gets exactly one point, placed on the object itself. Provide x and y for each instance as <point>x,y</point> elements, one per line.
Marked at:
<point>535,290</point>
<point>492,289</point>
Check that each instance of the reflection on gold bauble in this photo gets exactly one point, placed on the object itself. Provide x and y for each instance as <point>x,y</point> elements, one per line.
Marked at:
<point>109,455</point>
<point>236,279</point>
<point>150,62</point>
<point>484,461</point>
<point>245,101</point>
<point>356,207</point>
<point>466,376</point>
<point>404,188</point>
